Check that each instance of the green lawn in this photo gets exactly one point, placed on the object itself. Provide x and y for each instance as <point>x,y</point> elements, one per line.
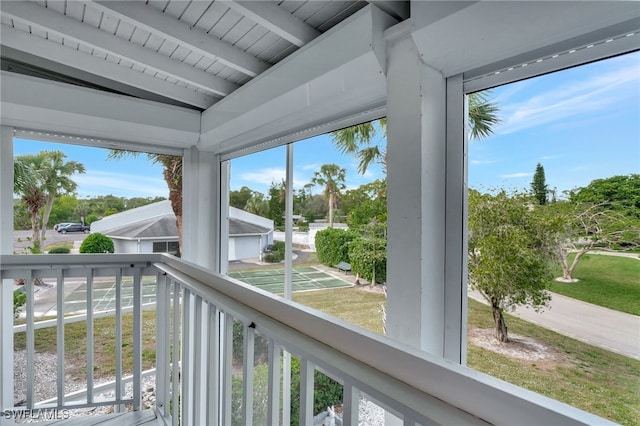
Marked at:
<point>593,379</point>
<point>612,282</point>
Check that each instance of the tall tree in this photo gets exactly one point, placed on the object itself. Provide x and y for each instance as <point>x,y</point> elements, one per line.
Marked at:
<point>331,177</point>
<point>277,195</point>
<point>360,140</point>
<point>172,174</point>
<point>539,185</point>
<point>508,255</point>
<point>56,176</point>
<point>39,179</point>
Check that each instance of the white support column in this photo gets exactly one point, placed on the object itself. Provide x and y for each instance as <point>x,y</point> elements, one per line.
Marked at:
<point>201,209</point>
<point>6,247</point>
<point>417,198</point>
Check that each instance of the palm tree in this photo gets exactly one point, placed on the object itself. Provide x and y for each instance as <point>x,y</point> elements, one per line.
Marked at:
<point>56,180</point>
<point>38,179</point>
<point>172,173</point>
<point>359,140</point>
<point>331,177</point>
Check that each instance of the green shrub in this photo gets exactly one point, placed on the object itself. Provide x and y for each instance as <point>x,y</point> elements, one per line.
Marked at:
<point>276,254</point>
<point>97,243</point>
<point>19,300</point>
<point>260,396</point>
<point>326,392</point>
<point>59,250</point>
<point>365,255</point>
<point>332,245</point>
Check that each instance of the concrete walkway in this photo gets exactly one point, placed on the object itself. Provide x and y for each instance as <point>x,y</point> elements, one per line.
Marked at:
<point>612,330</point>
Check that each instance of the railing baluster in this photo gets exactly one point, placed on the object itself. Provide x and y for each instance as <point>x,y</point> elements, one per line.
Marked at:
<point>175,376</point>
<point>247,379</point>
<point>60,336</point>
<point>89,336</point>
<point>137,338</point>
<point>350,404</point>
<point>273,410</point>
<point>197,362</point>
<point>163,336</point>
<point>306,391</point>
<point>185,397</point>
<point>119,385</point>
<point>30,337</point>
<point>213,370</point>
<point>227,369</point>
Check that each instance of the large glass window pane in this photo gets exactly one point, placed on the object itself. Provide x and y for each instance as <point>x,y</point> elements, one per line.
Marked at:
<point>553,224</point>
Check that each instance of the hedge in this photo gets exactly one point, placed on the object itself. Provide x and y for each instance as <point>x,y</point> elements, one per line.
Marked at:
<point>364,254</point>
<point>332,245</point>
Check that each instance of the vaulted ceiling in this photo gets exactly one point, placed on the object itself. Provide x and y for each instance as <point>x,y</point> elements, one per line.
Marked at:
<point>232,75</point>
<point>190,53</point>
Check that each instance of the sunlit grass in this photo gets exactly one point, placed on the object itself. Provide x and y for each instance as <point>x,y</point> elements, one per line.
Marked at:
<point>609,281</point>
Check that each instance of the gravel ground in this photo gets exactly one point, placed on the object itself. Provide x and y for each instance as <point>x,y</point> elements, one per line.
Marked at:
<point>45,373</point>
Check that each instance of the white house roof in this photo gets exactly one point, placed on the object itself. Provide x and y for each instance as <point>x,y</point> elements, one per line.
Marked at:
<point>157,221</point>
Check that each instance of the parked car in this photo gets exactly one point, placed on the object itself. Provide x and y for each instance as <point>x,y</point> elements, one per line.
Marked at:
<point>74,227</point>
<point>59,226</point>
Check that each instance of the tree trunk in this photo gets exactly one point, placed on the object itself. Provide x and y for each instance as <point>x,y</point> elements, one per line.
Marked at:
<point>35,227</point>
<point>501,326</point>
<point>331,210</point>
<point>175,198</point>
<point>45,218</point>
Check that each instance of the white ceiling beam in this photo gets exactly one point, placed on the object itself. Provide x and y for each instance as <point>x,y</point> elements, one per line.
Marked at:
<point>396,8</point>
<point>277,20</point>
<point>51,51</point>
<point>340,74</point>
<point>166,26</point>
<point>53,22</point>
<point>456,37</point>
<point>52,107</point>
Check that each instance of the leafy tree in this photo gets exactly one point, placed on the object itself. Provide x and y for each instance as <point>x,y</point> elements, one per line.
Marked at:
<point>508,254</point>
<point>239,198</point>
<point>368,258</point>
<point>63,209</point>
<point>367,202</point>
<point>579,228</point>
<point>97,243</point>
<point>314,207</point>
<point>257,205</point>
<point>360,140</point>
<point>539,186</point>
<point>622,192</point>
<point>331,177</point>
<point>172,174</point>
<point>276,203</point>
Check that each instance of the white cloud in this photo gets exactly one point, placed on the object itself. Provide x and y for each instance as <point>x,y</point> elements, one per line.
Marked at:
<point>95,183</point>
<point>591,95</point>
<point>478,162</point>
<point>269,176</point>
<point>516,175</point>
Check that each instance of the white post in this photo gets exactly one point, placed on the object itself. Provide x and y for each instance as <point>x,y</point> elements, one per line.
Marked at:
<point>288,273</point>
<point>201,209</point>
<point>6,247</point>
<point>416,185</point>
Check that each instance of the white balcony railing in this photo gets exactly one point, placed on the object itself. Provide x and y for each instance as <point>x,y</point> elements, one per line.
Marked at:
<point>197,382</point>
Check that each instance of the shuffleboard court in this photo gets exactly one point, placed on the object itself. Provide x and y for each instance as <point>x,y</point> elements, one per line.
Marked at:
<point>302,279</point>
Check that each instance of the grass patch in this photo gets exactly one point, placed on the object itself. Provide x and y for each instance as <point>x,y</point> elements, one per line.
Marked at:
<point>350,304</point>
<point>592,379</point>
<point>609,281</point>
<point>75,344</point>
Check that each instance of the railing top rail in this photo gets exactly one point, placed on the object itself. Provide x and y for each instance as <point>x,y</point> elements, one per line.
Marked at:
<point>470,391</point>
<point>430,386</point>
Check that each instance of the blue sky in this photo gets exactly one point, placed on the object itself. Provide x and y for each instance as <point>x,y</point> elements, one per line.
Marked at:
<point>580,124</point>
